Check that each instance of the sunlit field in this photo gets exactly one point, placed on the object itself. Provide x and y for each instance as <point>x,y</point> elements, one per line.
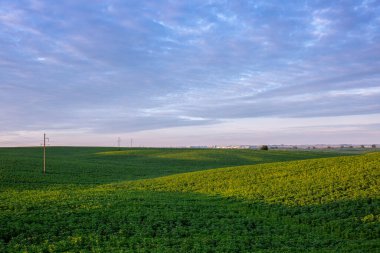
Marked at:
<point>188,200</point>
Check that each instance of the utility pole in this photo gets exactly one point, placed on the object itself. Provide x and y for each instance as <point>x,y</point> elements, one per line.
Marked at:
<point>118,142</point>
<point>131,142</point>
<point>45,152</point>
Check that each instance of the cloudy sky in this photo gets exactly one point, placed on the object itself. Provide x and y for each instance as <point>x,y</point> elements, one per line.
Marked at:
<point>174,73</point>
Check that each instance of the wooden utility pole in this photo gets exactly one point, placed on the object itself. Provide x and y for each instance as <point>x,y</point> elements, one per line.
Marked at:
<point>118,142</point>
<point>44,153</point>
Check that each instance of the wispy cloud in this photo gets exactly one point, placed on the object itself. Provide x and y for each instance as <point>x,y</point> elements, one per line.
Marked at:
<point>114,66</point>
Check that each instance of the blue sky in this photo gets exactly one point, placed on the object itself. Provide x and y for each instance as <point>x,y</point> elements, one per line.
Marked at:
<point>173,73</point>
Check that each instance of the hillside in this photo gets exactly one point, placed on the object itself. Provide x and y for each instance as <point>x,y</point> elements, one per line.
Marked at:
<point>315,181</point>
<point>312,205</point>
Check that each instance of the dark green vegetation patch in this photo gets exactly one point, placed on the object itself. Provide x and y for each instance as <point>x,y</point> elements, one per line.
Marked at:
<point>87,201</point>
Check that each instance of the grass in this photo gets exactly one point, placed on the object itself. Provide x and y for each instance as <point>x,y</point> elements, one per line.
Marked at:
<point>134,200</point>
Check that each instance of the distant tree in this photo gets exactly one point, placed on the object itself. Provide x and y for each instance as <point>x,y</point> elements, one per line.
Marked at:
<point>373,146</point>
<point>362,146</point>
<point>295,147</point>
<point>329,147</point>
<point>314,147</point>
<point>351,146</point>
<point>264,147</point>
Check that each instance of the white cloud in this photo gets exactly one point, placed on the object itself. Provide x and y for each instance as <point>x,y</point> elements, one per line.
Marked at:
<point>320,25</point>
<point>192,118</point>
<point>200,27</point>
<point>231,19</point>
<point>358,92</point>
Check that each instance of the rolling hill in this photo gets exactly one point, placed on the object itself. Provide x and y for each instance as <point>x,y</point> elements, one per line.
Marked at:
<point>101,200</point>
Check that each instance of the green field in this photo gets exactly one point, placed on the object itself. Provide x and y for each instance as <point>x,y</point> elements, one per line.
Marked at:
<point>188,200</point>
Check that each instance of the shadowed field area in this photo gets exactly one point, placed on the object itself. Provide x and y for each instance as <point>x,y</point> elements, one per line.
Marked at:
<point>22,167</point>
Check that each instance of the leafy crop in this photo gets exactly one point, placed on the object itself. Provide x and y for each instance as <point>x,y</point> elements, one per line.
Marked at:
<point>315,181</point>
<point>84,167</point>
<point>101,200</point>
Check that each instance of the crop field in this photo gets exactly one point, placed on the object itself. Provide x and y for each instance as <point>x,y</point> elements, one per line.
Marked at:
<point>188,200</point>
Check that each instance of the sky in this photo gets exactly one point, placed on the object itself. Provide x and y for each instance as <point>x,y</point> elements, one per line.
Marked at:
<point>179,73</point>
